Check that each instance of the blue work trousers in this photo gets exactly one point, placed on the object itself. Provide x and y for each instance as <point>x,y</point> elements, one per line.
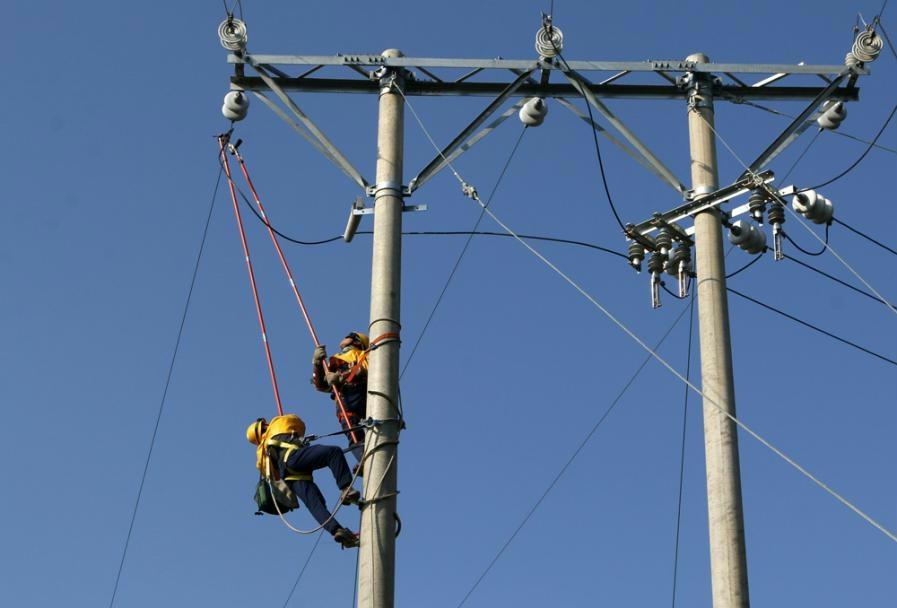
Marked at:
<point>311,458</point>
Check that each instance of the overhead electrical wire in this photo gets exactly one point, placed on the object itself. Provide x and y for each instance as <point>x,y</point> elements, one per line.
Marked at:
<point>840,133</point>
<point>858,160</point>
<point>573,456</point>
<point>597,248</point>
<point>457,264</point>
<point>592,123</point>
<point>471,193</point>
<point>804,251</point>
<point>865,236</point>
<point>746,266</point>
<point>691,319</point>
<point>778,198</point>
<point>813,327</point>
<point>174,354</point>
<point>835,279</point>
<point>302,570</point>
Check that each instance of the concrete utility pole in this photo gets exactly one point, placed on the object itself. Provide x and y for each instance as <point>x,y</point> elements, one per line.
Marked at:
<point>376,571</point>
<point>728,558</point>
<point>424,76</point>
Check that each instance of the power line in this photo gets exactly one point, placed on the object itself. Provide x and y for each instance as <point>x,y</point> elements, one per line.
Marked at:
<point>840,133</point>
<point>811,326</point>
<point>461,254</point>
<point>778,198</point>
<point>592,123</point>
<point>858,160</point>
<point>804,251</point>
<point>746,266</point>
<point>576,452</point>
<point>604,250</point>
<point>302,571</point>
<point>835,279</point>
<point>177,344</point>
<point>691,318</point>
<point>471,193</point>
<point>865,236</point>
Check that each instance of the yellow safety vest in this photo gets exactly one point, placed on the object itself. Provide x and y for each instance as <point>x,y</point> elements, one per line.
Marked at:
<point>288,424</point>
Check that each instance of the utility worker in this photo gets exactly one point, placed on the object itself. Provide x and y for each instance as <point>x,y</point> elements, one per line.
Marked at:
<point>348,372</point>
<point>283,453</point>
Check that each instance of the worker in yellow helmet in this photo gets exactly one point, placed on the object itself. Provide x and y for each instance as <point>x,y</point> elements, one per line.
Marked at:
<point>283,453</point>
<point>348,371</point>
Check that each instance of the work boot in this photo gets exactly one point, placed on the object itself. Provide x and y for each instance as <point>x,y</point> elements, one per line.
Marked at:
<point>350,496</point>
<point>346,538</point>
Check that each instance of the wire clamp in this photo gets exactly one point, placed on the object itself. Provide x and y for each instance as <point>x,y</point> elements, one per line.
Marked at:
<point>469,191</point>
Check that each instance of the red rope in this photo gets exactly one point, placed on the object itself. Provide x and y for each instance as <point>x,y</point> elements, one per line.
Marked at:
<point>222,140</point>
<point>295,288</point>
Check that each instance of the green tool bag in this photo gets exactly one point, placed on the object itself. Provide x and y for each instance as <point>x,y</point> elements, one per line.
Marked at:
<point>266,493</point>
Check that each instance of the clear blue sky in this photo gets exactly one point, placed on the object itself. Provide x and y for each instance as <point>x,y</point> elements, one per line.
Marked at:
<point>109,164</point>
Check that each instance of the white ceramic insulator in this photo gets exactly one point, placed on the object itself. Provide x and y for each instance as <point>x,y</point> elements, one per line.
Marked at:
<point>549,44</point>
<point>236,105</point>
<point>749,238</point>
<point>813,206</point>
<point>232,34</point>
<point>832,116</point>
<point>533,112</point>
<point>867,46</point>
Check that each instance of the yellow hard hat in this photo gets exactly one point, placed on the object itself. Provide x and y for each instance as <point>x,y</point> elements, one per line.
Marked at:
<point>255,431</point>
<point>360,338</point>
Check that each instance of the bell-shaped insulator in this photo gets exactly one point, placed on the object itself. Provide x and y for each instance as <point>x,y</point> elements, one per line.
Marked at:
<point>236,105</point>
<point>232,34</point>
<point>747,236</point>
<point>833,114</point>
<point>533,112</point>
<point>813,206</point>
<point>867,46</point>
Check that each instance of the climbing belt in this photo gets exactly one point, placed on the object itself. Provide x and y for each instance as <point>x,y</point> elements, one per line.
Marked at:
<point>223,143</point>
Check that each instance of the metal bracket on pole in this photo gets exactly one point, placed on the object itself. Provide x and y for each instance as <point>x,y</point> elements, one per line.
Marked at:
<point>441,161</point>
<point>332,152</point>
<point>405,209</point>
<point>701,203</point>
<point>581,84</point>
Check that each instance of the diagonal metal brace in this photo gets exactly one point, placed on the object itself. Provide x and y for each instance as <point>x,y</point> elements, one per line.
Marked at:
<point>294,125</point>
<point>602,131</point>
<point>797,126</point>
<point>581,84</point>
<point>511,111</point>
<point>441,159</point>
<point>333,154</point>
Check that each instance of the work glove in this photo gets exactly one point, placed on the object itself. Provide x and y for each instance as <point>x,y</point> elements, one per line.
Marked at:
<point>320,354</point>
<point>333,378</point>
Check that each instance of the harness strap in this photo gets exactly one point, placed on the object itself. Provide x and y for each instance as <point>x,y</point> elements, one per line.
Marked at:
<point>375,343</point>
<point>288,449</point>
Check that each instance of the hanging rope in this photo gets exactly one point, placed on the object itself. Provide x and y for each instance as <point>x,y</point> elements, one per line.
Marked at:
<point>286,268</point>
<point>223,142</point>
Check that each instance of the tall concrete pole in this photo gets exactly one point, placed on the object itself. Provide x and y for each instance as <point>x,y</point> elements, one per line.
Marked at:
<point>376,568</point>
<point>728,558</point>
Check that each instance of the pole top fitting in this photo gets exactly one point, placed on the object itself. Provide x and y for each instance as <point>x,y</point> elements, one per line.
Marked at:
<point>391,53</point>
<point>698,58</point>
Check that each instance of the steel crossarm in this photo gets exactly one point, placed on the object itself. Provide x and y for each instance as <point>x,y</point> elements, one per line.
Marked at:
<point>332,152</point>
<point>675,65</point>
<point>442,159</point>
<point>582,85</point>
